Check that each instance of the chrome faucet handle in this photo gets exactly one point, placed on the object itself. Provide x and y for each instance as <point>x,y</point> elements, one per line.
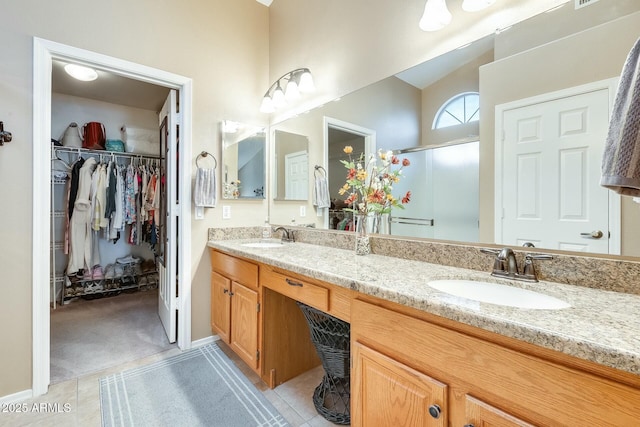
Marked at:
<point>529,271</point>
<point>497,263</point>
<point>287,235</point>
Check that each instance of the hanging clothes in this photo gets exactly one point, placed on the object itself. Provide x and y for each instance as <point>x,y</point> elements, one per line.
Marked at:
<point>80,251</point>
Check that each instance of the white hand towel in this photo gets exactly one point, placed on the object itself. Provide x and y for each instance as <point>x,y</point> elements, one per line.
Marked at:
<point>621,159</point>
<point>205,189</point>
<point>321,193</point>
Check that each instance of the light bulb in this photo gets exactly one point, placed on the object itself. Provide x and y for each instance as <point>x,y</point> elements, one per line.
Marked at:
<point>278,97</point>
<point>80,72</point>
<point>306,82</point>
<point>291,92</point>
<point>436,15</point>
<point>476,5</point>
<point>267,105</point>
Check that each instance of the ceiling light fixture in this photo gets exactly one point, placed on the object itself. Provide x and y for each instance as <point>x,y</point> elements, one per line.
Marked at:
<point>295,82</point>
<point>436,16</point>
<point>81,72</point>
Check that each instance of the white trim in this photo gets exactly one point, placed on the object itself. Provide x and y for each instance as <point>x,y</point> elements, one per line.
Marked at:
<point>43,53</point>
<point>369,143</point>
<point>204,341</point>
<point>16,397</point>
<point>615,220</point>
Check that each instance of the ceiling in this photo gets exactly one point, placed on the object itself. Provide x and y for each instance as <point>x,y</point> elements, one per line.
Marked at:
<point>429,72</point>
<point>109,87</point>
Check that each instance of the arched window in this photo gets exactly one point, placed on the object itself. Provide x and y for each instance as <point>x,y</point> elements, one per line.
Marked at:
<point>462,108</point>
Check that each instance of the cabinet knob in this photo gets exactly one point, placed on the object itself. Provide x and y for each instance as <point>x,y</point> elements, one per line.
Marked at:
<point>435,411</point>
<point>469,425</point>
<point>231,294</point>
<point>225,291</point>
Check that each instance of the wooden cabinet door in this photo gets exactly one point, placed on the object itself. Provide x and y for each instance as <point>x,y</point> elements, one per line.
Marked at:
<point>386,392</point>
<point>481,414</point>
<point>220,306</point>
<point>244,323</point>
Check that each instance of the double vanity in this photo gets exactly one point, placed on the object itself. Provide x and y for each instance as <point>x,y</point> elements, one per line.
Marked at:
<point>425,349</point>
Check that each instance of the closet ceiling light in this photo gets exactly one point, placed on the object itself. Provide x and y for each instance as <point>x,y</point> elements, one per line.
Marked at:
<point>81,72</point>
<point>436,16</point>
<point>295,82</point>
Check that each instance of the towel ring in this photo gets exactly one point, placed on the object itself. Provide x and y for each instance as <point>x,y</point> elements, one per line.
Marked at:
<point>205,154</point>
<point>318,168</point>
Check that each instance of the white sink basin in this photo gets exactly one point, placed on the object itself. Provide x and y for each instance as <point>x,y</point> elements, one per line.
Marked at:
<point>495,293</point>
<point>263,244</point>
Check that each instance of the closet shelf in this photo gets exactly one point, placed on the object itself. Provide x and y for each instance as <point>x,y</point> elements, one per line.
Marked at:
<point>56,246</point>
<point>58,181</point>
<point>96,288</point>
<point>58,214</point>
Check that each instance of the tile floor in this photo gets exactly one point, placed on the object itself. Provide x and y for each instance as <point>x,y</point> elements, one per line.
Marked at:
<point>76,402</point>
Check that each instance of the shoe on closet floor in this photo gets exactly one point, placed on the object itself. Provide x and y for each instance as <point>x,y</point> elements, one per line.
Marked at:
<point>96,272</point>
<point>129,259</point>
<point>148,266</point>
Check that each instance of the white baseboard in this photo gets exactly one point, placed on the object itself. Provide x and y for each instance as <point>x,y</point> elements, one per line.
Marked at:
<point>16,397</point>
<point>204,341</point>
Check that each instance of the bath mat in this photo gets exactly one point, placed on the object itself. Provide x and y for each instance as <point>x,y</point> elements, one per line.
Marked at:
<point>200,387</point>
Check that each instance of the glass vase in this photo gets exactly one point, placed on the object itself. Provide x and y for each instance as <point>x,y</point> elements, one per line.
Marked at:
<point>363,245</point>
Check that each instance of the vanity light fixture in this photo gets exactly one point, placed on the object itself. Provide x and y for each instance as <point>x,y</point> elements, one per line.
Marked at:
<point>81,72</point>
<point>436,16</point>
<point>295,82</point>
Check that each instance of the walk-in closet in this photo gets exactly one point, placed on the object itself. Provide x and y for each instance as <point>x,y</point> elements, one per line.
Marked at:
<point>108,204</point>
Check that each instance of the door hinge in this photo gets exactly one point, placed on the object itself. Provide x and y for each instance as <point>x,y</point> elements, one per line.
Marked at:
<point>257,354</point>
<point>258,307</point>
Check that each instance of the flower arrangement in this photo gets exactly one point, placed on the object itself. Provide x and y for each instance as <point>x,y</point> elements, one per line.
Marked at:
<point>370,183</point>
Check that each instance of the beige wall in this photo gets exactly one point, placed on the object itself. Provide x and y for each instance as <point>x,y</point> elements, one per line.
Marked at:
<point>223,45</point>
<point>589,56</point>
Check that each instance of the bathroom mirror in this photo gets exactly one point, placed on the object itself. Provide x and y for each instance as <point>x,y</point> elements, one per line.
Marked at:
<point>243,161</point>
<point>548,53</point>
<point>291,166</point>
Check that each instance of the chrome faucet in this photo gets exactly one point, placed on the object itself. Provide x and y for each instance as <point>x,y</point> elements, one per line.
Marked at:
<point>287,235</point>
<point>506,264</point>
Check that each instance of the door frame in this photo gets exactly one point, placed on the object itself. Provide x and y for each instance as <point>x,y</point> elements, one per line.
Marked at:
<point>44,51</point>
<point>614,199</point>
<point>369,136</point>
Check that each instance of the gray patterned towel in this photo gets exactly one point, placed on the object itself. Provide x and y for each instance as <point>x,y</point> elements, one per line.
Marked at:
<point>621,160</point>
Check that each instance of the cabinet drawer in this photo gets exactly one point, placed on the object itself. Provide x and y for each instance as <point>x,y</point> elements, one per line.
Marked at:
<point>234,268</point>
<point>299,290</point>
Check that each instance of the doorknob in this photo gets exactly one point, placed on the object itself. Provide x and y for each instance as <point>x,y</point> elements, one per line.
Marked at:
<point>594,234</point>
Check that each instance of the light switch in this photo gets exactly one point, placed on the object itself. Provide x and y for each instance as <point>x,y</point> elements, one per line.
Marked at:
<point>226,212</point>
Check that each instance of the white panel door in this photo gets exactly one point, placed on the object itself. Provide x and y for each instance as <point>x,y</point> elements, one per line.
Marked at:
<point>297,176</point>
<point>551,157</point>
<point>168,218</point>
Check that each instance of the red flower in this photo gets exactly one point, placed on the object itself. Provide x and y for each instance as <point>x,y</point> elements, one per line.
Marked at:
<point>377,197</point>
<point>395,160</point>
<point>351,174</point>
<point>353,197</point>
<point>405,162</point>
<point>407,197</point>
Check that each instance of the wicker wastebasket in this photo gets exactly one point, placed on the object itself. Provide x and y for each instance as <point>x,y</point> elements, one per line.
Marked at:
<point>331,337</point>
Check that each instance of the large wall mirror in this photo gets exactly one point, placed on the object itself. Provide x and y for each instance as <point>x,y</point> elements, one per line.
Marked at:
<point>243,161</point>
<point>536,64</point>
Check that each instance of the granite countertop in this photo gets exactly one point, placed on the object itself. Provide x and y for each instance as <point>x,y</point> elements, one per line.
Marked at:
<point>600,326</point>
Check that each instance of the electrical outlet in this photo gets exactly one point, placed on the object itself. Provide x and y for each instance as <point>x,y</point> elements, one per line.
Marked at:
<point>303,211</point>
<point>199,212</point>
<point>226,212</point>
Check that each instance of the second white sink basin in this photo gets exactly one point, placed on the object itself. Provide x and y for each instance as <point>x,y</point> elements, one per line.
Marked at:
<point>495,293</point>
<point>268,244</point>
